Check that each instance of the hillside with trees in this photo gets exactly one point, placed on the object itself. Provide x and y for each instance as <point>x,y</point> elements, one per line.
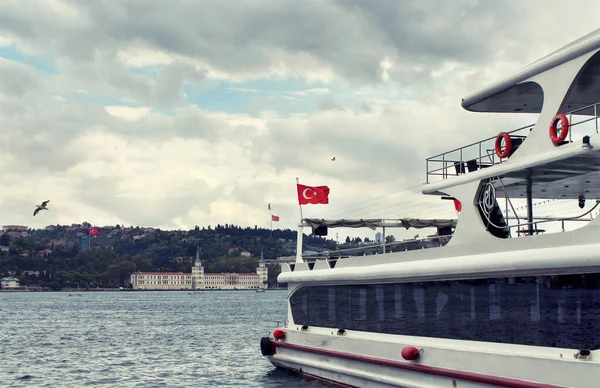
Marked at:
<point>61,256</point>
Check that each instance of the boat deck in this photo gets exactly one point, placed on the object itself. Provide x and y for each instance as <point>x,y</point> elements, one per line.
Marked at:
<point>481,154</point>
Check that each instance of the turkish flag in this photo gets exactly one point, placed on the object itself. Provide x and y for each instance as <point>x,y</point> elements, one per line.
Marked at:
<point>457,205</point>
<point>274,218</point>
<point>312,194</point>
<point>93,232</point>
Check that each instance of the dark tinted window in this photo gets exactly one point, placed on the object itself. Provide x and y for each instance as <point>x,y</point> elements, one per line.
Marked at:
<point>552,311</point>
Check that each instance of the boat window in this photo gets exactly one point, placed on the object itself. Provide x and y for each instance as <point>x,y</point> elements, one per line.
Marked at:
<point>358,300</point>
<point>560,311</point>
<point>379,302</point>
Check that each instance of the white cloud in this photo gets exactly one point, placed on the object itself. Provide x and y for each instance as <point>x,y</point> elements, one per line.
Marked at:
<point>244,90</point>
<point>5,41</point>
<point>136,57</point>
<point>128,113</point>
<point>310,91</point>
<point>113,138</point>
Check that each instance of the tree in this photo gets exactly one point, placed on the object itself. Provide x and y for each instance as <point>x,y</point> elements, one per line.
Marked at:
<point>117,275</point>
<point>5,240</point>
<point>113,258</point>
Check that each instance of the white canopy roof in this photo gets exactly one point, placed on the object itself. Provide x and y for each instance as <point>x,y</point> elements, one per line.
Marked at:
<point>514,95</point>
<point>379,223</point>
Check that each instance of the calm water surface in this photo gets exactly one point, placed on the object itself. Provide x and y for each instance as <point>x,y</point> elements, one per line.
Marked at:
<point>140,339</point>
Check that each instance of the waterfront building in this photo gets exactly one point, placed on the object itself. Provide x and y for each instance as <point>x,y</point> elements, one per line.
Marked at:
<point>198,279</point>
<point>9,283</point>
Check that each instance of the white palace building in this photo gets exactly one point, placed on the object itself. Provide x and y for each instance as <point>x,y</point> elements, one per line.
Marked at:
<point>200,280</point>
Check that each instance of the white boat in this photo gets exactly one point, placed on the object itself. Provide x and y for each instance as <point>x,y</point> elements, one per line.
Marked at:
<point>507,301</point>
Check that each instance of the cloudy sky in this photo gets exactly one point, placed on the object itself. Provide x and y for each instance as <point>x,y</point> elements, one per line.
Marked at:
<point>180,113</point>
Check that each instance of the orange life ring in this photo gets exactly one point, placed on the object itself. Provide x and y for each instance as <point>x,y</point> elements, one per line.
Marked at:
<point>556,137</point>
<point>507,148</point>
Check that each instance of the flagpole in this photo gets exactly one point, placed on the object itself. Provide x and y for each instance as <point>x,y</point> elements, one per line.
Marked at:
<point>300,231</point>
<point>301,217</point>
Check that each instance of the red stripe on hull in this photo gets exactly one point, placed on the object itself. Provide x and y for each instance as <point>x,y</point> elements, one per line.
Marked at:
<point>431,370</point>
<point>310,376</point>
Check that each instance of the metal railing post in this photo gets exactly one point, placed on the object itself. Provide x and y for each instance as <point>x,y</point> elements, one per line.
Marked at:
<point>444,172</point>
<point>570,122</point>
<point>596,116</point>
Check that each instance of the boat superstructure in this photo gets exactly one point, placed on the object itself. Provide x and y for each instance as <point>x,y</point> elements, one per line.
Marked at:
<point>500,300</point>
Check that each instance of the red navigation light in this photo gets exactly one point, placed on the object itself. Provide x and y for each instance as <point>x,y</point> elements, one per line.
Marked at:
<point>279,334</point>
<point>410,353</point>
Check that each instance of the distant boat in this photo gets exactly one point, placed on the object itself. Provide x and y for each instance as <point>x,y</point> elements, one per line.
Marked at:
<point>260,290</point>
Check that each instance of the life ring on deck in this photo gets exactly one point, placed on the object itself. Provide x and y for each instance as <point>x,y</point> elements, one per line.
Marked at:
<point>507,148</point>
<point>557,137</point>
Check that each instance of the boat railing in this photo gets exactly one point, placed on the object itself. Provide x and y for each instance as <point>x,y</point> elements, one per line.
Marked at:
<point>373,249</point>
<point>523,228</point>
<point>431,241</point>
<point>482,154</point>
<point>469,158</point>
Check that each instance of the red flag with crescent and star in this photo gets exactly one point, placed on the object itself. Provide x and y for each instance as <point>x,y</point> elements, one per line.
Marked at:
<point>312,194</point>
<point>93,232</point>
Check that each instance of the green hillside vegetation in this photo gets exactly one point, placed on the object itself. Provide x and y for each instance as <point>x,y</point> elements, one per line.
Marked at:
<point>56,258</point>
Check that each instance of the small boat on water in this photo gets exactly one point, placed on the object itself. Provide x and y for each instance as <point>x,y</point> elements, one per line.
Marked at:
<point>497,298</point>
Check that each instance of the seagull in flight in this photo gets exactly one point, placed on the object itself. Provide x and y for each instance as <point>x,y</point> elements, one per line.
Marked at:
<point>333,159</point>
<point>41,207</point>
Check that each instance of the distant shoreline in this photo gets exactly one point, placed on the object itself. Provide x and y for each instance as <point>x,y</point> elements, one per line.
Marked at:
<point>132,290</point>
<point>210,289</point>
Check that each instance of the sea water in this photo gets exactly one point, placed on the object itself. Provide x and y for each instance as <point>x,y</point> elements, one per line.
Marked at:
<point>140,339</point>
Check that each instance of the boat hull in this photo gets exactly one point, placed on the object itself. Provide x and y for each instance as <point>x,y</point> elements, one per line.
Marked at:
<point>358,359</point>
